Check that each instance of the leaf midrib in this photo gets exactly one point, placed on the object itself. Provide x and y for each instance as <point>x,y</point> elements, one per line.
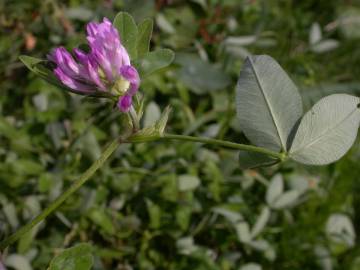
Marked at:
<point>283,145</point>
<point>324,133</point>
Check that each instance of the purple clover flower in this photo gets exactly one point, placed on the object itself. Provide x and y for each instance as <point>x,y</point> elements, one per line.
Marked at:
<point>106,68</point>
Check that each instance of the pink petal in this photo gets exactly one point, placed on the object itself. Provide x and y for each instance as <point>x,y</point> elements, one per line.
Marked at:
<point>72,83</point>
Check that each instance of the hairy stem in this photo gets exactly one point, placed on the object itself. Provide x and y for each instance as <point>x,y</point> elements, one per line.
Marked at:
<point>57,202</point>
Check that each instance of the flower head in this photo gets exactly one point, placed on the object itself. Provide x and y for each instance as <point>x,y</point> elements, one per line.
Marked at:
<point>105,68</point>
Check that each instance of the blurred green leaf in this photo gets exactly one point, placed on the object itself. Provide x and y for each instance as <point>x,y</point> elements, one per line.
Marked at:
<point>128,32</point>
<point>349,21</point>
<point>80,13</point>
<point>200,76</point>
<point>261,222</point>
<point>101,218</point>
<point>242,229</point>
<point>9,211</point>
<point>315,34</point>
<point>152,114</point>
<point>183,217</point>
<point>90,145</point>
<point>251,266</point>
<point>154,61</point>
<point>188,182</point>
<point>26,240</point>
<point>186,245</point>
<point>313,94</point>
<point>231,216</point>
<point>341,232</point>
<point>183,21</point>
<point>154,214</point>
<point>286,199</point>
<point>275,189</point>
<point>169,190</point>
<point>18,262</point>
<point>78,257</point>
<point>325,46</point>
<point>28,167</point>
<point>7,130</point>
<point>144,36</point>
<point>140,9</point>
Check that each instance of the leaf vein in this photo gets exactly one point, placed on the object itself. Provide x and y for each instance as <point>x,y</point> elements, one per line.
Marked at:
<point>283,143</point>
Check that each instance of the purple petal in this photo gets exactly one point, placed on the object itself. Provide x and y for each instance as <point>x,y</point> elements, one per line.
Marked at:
<point>91,29</point>
<point>81,56</point>
<point>124,103</point>
<point>94,75</point>
<point>72,83</point>
<point>130,73</point>
<point>107,62</point>
<point>107,21</point>
<point>125,56</point>
<point>104,63</point>
<point>106,47</point>
<point>63,59</point>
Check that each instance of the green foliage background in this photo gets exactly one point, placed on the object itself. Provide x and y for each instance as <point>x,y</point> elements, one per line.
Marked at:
<point>156,206</point>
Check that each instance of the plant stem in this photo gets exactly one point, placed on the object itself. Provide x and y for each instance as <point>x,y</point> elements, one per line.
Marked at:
<point>243,147</point>
<point>57,202</point>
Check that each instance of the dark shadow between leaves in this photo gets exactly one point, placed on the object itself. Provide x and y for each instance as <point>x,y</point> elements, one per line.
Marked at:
<point>292,134</point>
